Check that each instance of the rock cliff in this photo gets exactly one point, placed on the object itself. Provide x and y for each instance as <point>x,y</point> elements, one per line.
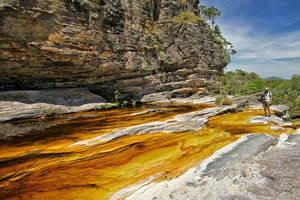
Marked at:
<point>138,47</point>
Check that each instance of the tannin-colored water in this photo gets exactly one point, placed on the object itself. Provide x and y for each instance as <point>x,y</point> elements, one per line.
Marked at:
<point>41,164</point>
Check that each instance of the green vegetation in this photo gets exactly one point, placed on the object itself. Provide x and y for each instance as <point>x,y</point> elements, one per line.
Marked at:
<point>186,17</point>
<point>59,111</point>
<point>107,106</point>
<point>223,100</point>
<point>133,102</point>
<point>116,94</point>
<point>53,111</point>
<point>238,83</point>
<point>121,102</point>
<point>48,112</point>
<point>98,107</point>
<point>212,14</point>
<point>208,15</point>
<point>153,40</point>
<point>227,46</point>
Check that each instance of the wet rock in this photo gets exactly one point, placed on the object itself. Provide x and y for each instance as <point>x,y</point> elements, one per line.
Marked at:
<point>296,124</point>
<point>222,176</point>
<point>145,112</point>
<point>251,168</point>
<point>181,123</point>
<point>277,128</point>
<point>265,120</point>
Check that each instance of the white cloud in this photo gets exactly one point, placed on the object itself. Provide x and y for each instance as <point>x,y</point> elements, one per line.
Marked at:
<point>267,55</point>
<point>264,69</point>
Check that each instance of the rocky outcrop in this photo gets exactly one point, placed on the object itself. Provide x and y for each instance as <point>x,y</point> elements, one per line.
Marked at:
<point>136,47</point>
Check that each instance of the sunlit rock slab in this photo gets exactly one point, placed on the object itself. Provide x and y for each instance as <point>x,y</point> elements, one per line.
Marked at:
<point>251,168</point>
<point>24,104</point>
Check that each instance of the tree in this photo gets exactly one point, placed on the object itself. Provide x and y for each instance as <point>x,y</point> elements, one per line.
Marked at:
<point>210,13</point>
<point>217,31</point>
<point>203,9</point>
<point>228,47</point>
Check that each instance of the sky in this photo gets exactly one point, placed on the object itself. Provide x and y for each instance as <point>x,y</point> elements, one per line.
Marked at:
<point>265,33</point>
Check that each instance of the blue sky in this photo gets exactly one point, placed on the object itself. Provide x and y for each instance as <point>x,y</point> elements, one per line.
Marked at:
<point>266,34</point>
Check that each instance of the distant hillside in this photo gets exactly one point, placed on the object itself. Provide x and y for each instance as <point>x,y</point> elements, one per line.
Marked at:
<point>239,83</point>
<point>272,78</point>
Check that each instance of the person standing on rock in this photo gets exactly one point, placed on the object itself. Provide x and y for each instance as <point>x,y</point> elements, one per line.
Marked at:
<point>267,98</point>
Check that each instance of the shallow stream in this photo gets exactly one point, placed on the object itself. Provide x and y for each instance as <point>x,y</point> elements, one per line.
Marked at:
<point>39,161</point>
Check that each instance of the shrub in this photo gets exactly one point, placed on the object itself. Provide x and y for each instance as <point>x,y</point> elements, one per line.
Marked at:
<point>227,101</point>
<point>48,112</point>
<point>286,92</point>
<point>223,100</point>
<point>133,102</point>
<point>186,17</point>
<point>219,99</point>
<point>107,106</point>
<point>59,111</point>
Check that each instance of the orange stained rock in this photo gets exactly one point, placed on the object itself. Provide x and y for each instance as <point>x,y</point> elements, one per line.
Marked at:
<point>60,132</point>
<point>296,124</point>
<point>97,172</point>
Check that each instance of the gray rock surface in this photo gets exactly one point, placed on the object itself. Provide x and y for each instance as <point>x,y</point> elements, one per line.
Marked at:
<point>286,116</point>
<point>277,128</point>
<point>251,168</point>
<point>265,120</point>
<point>145,112</point>
<point>280,110</point>
<point>65,97</point>
<point>33,104</point>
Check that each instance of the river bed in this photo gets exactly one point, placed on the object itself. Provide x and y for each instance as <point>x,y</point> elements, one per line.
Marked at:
<point>40,161</point>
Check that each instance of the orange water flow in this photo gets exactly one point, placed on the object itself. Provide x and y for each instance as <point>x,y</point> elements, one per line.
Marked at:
<point>48,168</point>
<point>59,132</point>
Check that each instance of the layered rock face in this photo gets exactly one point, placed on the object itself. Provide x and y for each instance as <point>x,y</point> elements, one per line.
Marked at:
<point>136,47</point>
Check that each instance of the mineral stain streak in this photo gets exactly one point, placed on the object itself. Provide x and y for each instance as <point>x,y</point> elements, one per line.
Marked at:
<point>48,168</point>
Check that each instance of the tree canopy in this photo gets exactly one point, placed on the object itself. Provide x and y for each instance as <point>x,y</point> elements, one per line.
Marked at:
<point>239,82</point>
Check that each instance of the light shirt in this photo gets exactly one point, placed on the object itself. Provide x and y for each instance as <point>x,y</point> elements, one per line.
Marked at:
<point>268,96</point>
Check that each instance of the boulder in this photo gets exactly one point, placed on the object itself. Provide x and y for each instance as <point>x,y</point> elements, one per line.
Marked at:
<point>280,110</point>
